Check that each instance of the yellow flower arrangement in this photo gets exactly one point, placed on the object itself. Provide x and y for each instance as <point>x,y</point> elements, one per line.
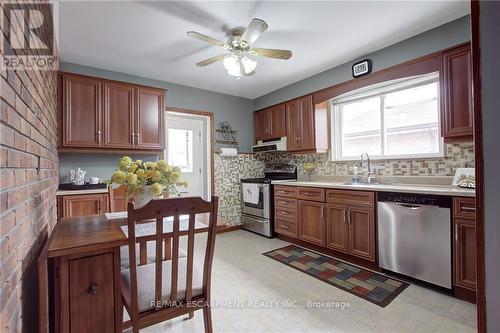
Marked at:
<point>163,178</point>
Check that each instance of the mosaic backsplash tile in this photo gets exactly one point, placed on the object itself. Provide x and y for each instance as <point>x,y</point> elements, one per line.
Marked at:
<point>229,170</point>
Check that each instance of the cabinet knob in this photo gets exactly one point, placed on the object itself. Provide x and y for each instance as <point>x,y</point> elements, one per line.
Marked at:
<point>92,290</point>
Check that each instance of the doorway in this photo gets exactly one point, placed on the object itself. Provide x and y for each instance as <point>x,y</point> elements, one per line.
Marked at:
<point>188,146</point>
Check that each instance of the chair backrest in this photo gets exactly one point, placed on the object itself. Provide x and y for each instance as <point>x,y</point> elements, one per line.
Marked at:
<point>154,213</point>
<point>117,198</point>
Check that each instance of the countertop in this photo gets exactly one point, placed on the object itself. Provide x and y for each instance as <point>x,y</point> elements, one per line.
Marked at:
<point>77,192</point>
<point>447,190</point>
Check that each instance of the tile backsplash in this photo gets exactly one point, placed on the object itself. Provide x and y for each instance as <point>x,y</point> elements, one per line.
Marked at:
<point>230,170</point>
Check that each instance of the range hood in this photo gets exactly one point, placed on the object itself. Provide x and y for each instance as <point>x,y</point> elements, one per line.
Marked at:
<point>270,145</point>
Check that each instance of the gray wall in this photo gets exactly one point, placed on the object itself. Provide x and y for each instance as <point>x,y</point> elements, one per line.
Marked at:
<point>450,34</point>
<point>489,29</point>
<point>236,110</point>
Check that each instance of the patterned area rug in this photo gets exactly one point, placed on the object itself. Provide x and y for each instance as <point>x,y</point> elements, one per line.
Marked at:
<point>371,286</point>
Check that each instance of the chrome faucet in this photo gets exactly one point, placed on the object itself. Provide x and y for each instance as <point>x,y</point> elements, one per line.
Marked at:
<point>372,175</point>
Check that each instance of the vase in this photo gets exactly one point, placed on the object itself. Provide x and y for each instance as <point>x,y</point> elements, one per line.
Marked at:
<point>143,196</point>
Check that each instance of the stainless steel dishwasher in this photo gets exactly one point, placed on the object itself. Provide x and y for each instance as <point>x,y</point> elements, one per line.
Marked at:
<point>414,236</point>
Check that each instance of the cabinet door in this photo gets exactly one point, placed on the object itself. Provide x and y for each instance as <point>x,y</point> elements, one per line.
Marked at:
<point>260,125</point>
<point>118,115</point>
<point>337,229</point>
<point>85,204</point>
<point>311,220</point>
<point>456,99</point>
<point>306,138</point>
<point>277,121</point>
<point>361,232</point>
<point>149,119</point>
<point>293,125</point>
<point>465,253</point>
<point>81,111</point>
<point>91,294</point>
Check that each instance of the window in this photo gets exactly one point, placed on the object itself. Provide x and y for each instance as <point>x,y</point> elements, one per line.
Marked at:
<point>393,120</point>
<point>180,149</point>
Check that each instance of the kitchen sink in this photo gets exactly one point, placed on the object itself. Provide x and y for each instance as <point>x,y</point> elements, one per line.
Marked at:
<point>361,184</point>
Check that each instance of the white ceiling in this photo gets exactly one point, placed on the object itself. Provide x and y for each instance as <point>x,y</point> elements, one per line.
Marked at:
<point>149,38</point>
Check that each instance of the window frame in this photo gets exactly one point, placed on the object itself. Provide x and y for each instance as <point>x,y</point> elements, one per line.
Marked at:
<point>381,90</point>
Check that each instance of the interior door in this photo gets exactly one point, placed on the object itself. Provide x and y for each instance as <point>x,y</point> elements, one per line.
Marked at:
<point>187,149</point>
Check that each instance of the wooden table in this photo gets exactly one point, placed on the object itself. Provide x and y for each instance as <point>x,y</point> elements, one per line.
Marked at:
<point>82,273</point>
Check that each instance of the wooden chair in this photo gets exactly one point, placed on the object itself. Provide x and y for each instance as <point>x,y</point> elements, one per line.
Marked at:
<point>176,281</point>
<point>117,202</point>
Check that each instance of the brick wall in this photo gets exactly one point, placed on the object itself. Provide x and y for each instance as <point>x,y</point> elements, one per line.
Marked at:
<point>29,178</point>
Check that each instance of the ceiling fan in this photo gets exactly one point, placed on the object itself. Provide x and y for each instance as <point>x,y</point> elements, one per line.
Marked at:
<point>239,47</point>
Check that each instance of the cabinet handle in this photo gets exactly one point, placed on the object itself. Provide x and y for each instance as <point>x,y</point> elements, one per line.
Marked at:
<point>283,202</point>
<point>284,226</point>
<point>133,138</point>
<point>310,194</point>
<point>456,233</point>
<point>92,290</point>
<point>137,138</point>
<point>345,215</point>
<point>99,136</point>
<point>470,209</point>
<point>99,206</point>
<point>283,191</point>
<point>322,213</point>
<point>349,216</point>
<point>300,141</point>
<point>284,213</point>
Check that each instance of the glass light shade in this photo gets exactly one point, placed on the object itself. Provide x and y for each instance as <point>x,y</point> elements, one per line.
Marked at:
<point>238,66</point>
<point>232,64</point>
<point>248,64</point>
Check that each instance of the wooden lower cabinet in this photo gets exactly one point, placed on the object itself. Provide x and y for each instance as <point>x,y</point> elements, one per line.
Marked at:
<point>311,222</point>
<point>362,232</point>
<point>464,248</point>
<point>83,204</point>
<point>337,229</point>
<point>351,230</point>
<point>91,305</point>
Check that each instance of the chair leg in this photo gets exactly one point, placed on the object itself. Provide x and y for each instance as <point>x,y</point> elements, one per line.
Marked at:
<point>207,319</point>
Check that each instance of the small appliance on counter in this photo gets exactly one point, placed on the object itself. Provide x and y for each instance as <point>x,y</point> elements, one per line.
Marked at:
<point>257,198</point>
<point>270,145</point>
<point>77,177</point>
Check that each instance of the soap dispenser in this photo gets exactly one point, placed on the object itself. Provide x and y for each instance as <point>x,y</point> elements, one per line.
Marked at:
<point>355,175</point>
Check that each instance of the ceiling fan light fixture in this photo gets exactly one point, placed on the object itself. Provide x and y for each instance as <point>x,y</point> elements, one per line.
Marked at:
<point>238,65</point>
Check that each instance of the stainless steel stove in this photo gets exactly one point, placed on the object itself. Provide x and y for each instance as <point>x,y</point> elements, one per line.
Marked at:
<point>257,198</point>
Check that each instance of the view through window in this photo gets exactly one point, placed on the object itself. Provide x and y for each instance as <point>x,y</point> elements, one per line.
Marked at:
<point>399,120</point>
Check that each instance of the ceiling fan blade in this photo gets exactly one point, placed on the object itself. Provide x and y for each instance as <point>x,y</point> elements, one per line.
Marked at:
<point>272,53</point>
<point>254,30</point>
<point>209,61</point>
<point>206,39</point>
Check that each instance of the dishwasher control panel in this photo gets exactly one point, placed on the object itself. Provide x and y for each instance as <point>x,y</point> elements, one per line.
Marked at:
<point>415,199</point>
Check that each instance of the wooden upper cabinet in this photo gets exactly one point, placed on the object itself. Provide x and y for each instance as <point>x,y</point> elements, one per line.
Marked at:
<point>311,218</point>
<point>307,126</point>
<point>98,113</point>
<point>456,94</point>
<point>270,123</point>
<point>119,115</point>
<point>260,125</point>
<point>149,119</point>
<point>81,118</point>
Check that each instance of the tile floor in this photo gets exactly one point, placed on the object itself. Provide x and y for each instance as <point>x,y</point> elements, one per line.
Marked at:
<point>241,273</point>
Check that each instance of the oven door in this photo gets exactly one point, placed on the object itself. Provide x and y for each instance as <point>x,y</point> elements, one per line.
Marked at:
<point>263,207</point>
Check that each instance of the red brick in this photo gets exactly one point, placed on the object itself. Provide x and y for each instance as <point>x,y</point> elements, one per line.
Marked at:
<point>7,222</point>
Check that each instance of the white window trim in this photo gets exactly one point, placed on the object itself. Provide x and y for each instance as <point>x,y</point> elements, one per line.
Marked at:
<point>375,90</point>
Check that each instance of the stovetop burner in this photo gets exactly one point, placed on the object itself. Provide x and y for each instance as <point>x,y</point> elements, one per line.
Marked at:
<point>275,172</point>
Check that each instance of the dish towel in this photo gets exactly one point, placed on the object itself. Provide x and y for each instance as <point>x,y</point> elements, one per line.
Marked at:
<point>251,193</point>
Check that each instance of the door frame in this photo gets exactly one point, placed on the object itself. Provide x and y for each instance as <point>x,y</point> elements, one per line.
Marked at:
<point>211,131</point>
<point>479,161</point>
